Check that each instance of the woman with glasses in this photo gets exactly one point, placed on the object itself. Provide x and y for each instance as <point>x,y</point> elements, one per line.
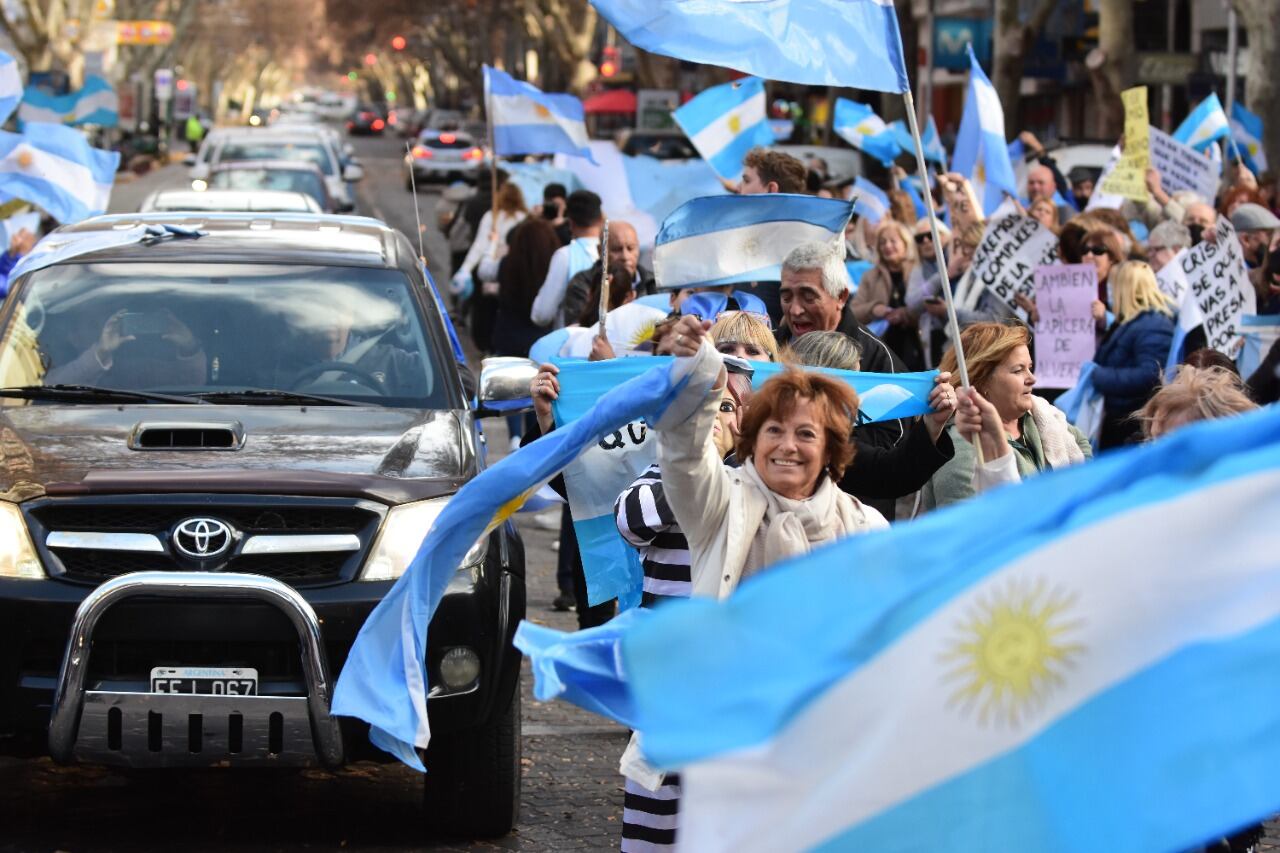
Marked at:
<point>882,294</point>
<point>1131,357</point>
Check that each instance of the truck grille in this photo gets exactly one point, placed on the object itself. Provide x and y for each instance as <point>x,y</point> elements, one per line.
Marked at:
<point>142,532</point>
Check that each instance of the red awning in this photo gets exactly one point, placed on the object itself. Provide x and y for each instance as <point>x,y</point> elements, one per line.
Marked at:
<point>612,101</point>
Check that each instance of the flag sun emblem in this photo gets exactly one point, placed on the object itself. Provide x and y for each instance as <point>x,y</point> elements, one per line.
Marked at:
<point>1011,649</point>
<point>735,124</point>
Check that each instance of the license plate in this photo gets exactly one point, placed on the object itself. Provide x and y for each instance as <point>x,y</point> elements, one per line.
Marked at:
<point>205,680</point>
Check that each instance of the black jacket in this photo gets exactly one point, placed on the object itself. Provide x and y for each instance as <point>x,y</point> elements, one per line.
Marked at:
<point>579,290</point>
<point>881,474</point>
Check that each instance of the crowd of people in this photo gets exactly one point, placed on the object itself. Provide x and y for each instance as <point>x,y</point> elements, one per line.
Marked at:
<point>745,478</point>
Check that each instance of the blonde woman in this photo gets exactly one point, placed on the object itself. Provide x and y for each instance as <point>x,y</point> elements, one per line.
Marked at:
<point>882,293</point>
<point>1195,394</point>
<point>744,335</point>
<point>1132,354</point>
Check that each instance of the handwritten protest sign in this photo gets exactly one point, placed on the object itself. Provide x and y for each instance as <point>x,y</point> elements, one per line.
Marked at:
<point>1065,331</point>
<point>1128,179</point>
<point>1213,274</point>
<point>1011,250</point>
<point>1181,167</point>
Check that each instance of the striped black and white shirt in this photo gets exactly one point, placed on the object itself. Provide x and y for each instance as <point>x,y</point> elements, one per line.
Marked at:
<point>646,521</point>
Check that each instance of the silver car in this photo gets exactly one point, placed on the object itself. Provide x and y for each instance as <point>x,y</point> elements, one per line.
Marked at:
<point>443,155</point>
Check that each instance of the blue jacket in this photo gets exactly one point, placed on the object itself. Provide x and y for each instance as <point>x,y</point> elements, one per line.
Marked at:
<point>1131,360</point>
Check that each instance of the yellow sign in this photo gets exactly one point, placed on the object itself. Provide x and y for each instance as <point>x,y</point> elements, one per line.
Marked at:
<point>1129,178</point>
<point>144,32</point>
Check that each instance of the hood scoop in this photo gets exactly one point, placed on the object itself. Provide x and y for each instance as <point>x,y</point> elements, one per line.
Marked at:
<point>187,436</point>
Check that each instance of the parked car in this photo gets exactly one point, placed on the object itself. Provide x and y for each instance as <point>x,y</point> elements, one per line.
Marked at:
<point>249,201</point>
<point>443,156</point>
<point>283,175</point>
<point>201,507</point>
<point>366,121</point>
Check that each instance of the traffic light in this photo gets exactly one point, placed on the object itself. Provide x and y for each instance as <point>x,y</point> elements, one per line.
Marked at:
<point>609,64</point>
<point>353,76</point>
<point>182,85</point>
<point>398,43</point>
<point>370,59</point>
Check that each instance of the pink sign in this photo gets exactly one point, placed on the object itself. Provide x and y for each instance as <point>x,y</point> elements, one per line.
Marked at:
<point>1065,337</point>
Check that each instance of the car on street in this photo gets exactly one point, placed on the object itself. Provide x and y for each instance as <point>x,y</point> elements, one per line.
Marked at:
<point>248,201</point>
<point>443,155</point>
<point>659,144</point>
<point>366,121</point>
<point>286,143</point>
<point>225,440</point>
<point>290,176</point>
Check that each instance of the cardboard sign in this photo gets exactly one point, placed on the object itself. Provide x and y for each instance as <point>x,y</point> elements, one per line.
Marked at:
<point>1129,178</point>
<point>1214,275</point>
<point>1011,250</point>
<point>1181,167</point>
<point>1065,338</point>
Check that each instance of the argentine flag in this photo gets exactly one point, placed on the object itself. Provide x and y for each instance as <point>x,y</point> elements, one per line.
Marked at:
<point>55,168</point>
<point>726,239</point>
<point>1207,123</point>
<point>933,150</point>
<point>1085,661</point>
<point>725,122</point>
<point>858,125</point>
<point>817,42</point>
<point>981,154</point>
<point>869,201</point>
<point>1246,129</point>
<point>10,86</point>
<point>95,103</point>
<point>526,120</point>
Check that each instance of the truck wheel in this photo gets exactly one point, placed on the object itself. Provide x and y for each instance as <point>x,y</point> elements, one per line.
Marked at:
<point>472,787</point>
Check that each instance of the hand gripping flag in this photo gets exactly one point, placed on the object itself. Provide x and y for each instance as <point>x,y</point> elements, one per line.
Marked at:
<point>858,125</point>
<point>732,238</point>
<point>818,42</point>
<point>1041,668</point>
<point>725,122</point>
<point>981,154</point>
<point>384,681</point>
<point>55,168</point>
<point>526,120</point>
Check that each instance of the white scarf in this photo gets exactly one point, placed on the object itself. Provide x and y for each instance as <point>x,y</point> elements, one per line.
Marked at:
<point>1058,442</point>
<point>793,527</point>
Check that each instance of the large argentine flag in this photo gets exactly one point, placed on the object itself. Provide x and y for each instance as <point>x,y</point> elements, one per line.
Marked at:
<point>725,122</point>
<point>1206,123</point>
<point>527,120</point>
<point>1086,661</point>
<point>858,125</point>
<point>981,154</point>
<point>95,103</point>
<point>1246,130</point>
<point>54,167</point>
<point>384,681</point>
<point>10,86</point>
<point>818,42</point>
<point>727,239</point>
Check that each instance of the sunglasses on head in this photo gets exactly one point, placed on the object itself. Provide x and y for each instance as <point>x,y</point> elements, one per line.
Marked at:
<point>1096,250</point>
<point>920,238</point>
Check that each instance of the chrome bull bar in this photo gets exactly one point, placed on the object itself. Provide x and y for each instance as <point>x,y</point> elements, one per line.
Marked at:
<point>171,730</point>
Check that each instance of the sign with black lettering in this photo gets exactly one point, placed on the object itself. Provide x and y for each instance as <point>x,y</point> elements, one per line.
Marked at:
<point>1065,336</point>
<point>1181,167</point>
<point>1213,274</point>
<point>1011,250</point>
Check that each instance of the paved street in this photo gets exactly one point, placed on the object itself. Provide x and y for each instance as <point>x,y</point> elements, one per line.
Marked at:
<point>572,798</point>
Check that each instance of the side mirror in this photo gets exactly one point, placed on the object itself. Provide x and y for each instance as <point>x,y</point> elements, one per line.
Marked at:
<point>189,160</point>
<point>504,386</point>
<point>353,173</point>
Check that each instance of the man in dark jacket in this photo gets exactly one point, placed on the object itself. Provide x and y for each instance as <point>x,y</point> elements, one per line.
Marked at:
<point>624,250</point>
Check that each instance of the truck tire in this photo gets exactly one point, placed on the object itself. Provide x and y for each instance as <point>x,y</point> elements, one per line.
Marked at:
<point>472,787</point>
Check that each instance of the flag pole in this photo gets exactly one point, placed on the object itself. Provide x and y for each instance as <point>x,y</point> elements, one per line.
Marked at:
<point>952,320</point>
<point>493,167</point>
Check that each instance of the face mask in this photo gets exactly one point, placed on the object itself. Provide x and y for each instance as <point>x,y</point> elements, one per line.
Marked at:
<point>1197,234</point>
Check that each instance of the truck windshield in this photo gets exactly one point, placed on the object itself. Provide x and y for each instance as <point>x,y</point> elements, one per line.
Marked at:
<point>210,329</point>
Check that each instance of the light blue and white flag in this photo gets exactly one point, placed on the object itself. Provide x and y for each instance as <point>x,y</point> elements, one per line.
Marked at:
<point>732,238</point>
<point>1173,283</point>
<point>1044,667</point>
<point>385,681</point>
<point>1246,129</point>
<point>817,42</point>
<point>858,125</point>
<point>1260,332</point>
<point>55,168</point>
<point>95,103</point>
<point>869,201</point>
<point>1207,123</point>
<point>725,122</point>
<point>10,86</point>
<point>981,154</point>
<point>933,150</point>
<point>526,120</point>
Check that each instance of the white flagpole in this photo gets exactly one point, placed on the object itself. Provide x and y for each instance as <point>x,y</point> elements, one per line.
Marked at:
<point>937,240</point>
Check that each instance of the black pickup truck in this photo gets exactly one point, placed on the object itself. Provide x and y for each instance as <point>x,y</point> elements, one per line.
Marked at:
<point>224,436</point>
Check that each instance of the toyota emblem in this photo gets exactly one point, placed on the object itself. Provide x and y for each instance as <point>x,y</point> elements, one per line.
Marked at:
<point>202,538</point>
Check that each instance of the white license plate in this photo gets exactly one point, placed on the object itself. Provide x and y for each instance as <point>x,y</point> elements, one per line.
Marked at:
<point>205,680</point>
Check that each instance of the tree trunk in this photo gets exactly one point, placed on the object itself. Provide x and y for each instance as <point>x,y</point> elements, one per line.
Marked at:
<point>1262,76</point>
<point>1008,49</point>
<point>1115,74</point>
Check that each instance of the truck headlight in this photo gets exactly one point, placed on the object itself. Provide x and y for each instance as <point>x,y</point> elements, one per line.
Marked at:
<point>401,536</point>
<point>17,557</point>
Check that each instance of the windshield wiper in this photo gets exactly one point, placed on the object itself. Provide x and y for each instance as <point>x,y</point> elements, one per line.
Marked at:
<point>271,396</point>
<point>92,393</point>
